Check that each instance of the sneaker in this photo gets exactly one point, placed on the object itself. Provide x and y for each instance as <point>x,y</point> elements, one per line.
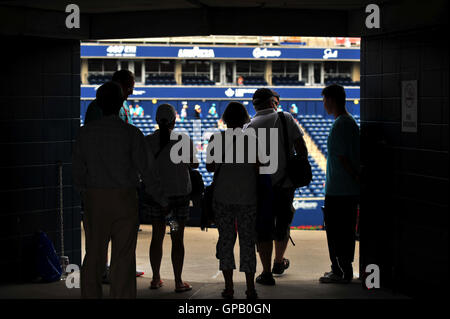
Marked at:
<point>332,278</point>
<point>265,279</point>
<point>139,273</point>
<point>106,278</point>
<point>279,268</point>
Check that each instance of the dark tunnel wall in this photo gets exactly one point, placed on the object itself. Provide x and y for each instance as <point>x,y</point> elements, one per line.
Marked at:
<point>40,119</point>
<point>404,210</point>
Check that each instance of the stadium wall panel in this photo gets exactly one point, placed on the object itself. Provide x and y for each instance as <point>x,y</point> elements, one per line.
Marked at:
<point>41,97</point>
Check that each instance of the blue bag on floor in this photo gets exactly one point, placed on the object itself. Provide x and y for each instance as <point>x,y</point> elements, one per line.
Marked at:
<point>48,266</point>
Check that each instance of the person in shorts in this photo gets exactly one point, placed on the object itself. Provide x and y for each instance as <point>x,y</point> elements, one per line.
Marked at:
<point>265,102</point>
<point>176,183</point>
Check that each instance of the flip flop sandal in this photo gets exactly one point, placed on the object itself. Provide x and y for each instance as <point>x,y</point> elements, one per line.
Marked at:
<point>185,287</point>
<point>139,273</point>
<point>156,284</point>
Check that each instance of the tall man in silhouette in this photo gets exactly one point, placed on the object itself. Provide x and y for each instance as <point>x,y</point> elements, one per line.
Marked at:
<point>108,158</point>
<point>341,186</point>
<point>125,79</point>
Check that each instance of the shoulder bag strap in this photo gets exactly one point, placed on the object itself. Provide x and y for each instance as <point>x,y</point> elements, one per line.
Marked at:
<point>286,142</point>
<point>285,133</point>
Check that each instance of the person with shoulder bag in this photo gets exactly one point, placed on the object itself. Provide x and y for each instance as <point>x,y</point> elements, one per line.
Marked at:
<point>284,181</point>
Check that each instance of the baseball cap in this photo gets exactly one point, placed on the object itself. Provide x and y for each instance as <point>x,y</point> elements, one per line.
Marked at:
<point>262,95</point>
<point>165,112</point>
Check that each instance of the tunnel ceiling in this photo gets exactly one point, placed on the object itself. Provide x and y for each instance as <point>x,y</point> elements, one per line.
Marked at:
<point>111,6</point>
<point>113,19</point>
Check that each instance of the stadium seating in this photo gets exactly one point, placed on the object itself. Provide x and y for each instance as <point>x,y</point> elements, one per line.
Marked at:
<point>197,80</point>
<point>99,78</point>
<point>157,79</point>
<point>209,125</point>
<point>254,80</point>
<point>318,128</point>
<point>287,81</point>
<point>315,125</point>
<point>344,81</point>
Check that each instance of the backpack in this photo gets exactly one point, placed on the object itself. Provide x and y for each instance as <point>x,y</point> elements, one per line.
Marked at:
<point>298,167</point>
<point>47,262</point>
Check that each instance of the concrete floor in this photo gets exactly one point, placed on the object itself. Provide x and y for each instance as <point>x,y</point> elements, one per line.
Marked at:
<point>309,260</point>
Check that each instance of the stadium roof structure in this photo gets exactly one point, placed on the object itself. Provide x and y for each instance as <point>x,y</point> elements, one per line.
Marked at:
<point>117,6</point>
<point>116,19</point>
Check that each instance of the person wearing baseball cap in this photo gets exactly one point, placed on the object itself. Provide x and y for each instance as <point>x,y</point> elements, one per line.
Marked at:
<point>265,102</point>
<point>263,96</point>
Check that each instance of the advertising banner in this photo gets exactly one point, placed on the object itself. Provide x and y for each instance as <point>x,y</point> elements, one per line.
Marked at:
<point>214,92</point>
<point>218,52</point>
<point>308,213</point>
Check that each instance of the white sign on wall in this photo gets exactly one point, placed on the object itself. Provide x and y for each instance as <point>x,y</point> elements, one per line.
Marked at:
<point>409,106</point>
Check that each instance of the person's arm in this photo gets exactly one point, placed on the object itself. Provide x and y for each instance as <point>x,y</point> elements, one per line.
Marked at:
<point>348,167</point>
<point>79,167</point>
<point>341,145</point>
<point>145,163</point>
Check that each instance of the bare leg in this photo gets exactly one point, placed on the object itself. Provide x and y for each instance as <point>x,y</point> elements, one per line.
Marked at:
<point>178,253</point>
<point>156,252</point>
<point>250,279</point>
<point>265,254</point>
<point>228,277</point>
<point>280,249</point>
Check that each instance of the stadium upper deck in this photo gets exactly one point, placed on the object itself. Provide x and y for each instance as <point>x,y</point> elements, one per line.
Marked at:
<point>221,68</point>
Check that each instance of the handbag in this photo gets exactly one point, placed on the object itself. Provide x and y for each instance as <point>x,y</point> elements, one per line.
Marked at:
<point>298,167</point>
<point>208,217</point>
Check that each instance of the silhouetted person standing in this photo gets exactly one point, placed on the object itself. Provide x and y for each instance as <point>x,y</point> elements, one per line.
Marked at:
<point>177,184</point>
<point>125,79</point>
<point>342,186</point>
<point>235,198</point>
<point>265,102</point>
<point>108,157</point>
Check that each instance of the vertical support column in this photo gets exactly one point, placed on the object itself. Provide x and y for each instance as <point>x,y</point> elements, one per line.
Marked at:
<point>300,75</point>
<point>322,73</point>
<point>311,73</point>
<point>356,71</point>
<point>268,73</point>
<point>84,71</point>
<point>178,72</point>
